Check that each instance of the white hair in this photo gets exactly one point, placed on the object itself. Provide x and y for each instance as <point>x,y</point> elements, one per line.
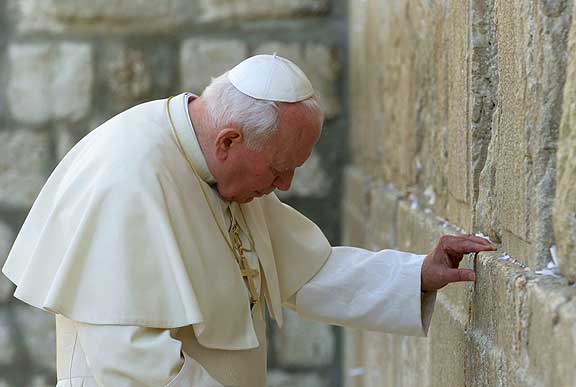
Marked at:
<point>256,118</point>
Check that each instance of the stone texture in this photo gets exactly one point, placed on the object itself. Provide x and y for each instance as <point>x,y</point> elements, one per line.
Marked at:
<point>203,59</point>
<point>7,346</point>
<point>6,240</point>
<point>320,64</point>
<point>38,330</point>
<point>219,10</point>
<point>565,205</point>
<point>283,379</point>
<point>354,367</point>
<point>41,381</point>
<point>310,180</point>
<point>22,173</point>
<point>531,73</point>
<point>50,81</point>
<point>455,110</point>
<point>353,217</point>
<point>101,16</point>
<point>304,343</point>
<point>129,76</point>
<point>458,209</point>
<point>65,140</point>
<point>381,220</point>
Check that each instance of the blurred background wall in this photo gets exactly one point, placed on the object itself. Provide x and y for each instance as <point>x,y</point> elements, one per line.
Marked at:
<point>66,66</point>
<point>463,120</point>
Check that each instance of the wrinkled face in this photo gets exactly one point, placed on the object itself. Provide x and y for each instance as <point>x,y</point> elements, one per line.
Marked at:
<point>247,174</point>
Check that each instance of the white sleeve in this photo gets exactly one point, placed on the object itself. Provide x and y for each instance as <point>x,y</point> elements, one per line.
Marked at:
<point>362,289</point>
<point>134,356</point>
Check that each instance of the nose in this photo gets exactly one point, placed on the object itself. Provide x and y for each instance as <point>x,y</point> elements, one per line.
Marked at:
<point>284,180</point>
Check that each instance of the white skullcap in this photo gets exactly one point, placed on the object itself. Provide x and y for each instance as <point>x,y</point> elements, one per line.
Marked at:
<point>272,78</point>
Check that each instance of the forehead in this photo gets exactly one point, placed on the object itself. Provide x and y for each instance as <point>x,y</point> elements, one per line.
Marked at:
<point>298,131</point>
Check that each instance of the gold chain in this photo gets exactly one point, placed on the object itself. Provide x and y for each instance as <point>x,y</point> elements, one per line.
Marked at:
<point>235,245</point>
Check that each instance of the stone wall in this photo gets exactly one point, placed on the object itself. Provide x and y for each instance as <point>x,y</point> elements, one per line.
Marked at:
<point>68,65</point>
<point>463,120</point>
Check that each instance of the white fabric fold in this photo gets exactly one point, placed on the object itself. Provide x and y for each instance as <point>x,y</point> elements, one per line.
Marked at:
<point>121,233</point>
<point>375,291</point>
<point>133,356</point>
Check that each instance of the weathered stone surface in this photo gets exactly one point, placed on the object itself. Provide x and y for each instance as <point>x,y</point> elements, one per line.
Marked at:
<point>50,81</point>
<point>320,64</point>
<point>38,330</point>
<point>129,76</point>
<point>42,381</point>
<point>22,173</point>
<point>304,343</point>
<point>389,360</point>
<point>353,207</point>
<point>101,16</point>
<point>480,85</point>
<point>203,59</point>
<point>217,10</point>
<point>65,140</point>
<point>7,345</point>
<point>6,240</point>
<point>565,205</point>
<point>512,327</point>
<point>381,222</point>
<point>354,367</point>
<point>284,379</point>
<point>520,165</point>
<point>310,180</point>
<point>458,210</point>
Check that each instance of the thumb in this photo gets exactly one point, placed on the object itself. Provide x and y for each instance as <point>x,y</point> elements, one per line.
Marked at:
<point>458,275</point>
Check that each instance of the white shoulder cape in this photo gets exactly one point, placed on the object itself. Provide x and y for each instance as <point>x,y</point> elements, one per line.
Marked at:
<point>121,234</point>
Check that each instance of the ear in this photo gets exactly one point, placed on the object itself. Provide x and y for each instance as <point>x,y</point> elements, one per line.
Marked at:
<point>225,140</point>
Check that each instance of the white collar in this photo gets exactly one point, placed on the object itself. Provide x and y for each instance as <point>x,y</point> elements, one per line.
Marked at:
<point>189,140</point>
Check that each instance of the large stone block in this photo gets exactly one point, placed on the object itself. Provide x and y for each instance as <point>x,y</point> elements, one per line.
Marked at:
<point>320,64</point>
<point>128,76</point>
<point>381,222</point>
<point>202,59</point>
<point>448,349</point>
<point>24,159</point>
<point>49,81</point>
<point>6,240</point>
<point>101,16</point>
<point>304,343</point>
<point>565,204</point>
<point>458,211</point>
<point>390,98</point>
<point>517,186</point>
<point>219,10</point>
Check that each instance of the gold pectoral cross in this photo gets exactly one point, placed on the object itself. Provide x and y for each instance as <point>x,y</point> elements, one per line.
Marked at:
<point>248,274</point>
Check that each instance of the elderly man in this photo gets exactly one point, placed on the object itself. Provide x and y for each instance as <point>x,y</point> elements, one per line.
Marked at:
<point>158,241</point>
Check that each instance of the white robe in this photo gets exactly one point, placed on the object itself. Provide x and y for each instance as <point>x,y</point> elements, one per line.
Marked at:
<point>357,288</point>
<point>119,320</point>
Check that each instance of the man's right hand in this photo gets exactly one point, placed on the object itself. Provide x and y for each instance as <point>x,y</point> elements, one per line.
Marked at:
<point>440,267</point>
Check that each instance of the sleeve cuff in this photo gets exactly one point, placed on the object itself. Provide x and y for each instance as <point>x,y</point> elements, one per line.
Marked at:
<point>193,374</point>
<point>375,291</point>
